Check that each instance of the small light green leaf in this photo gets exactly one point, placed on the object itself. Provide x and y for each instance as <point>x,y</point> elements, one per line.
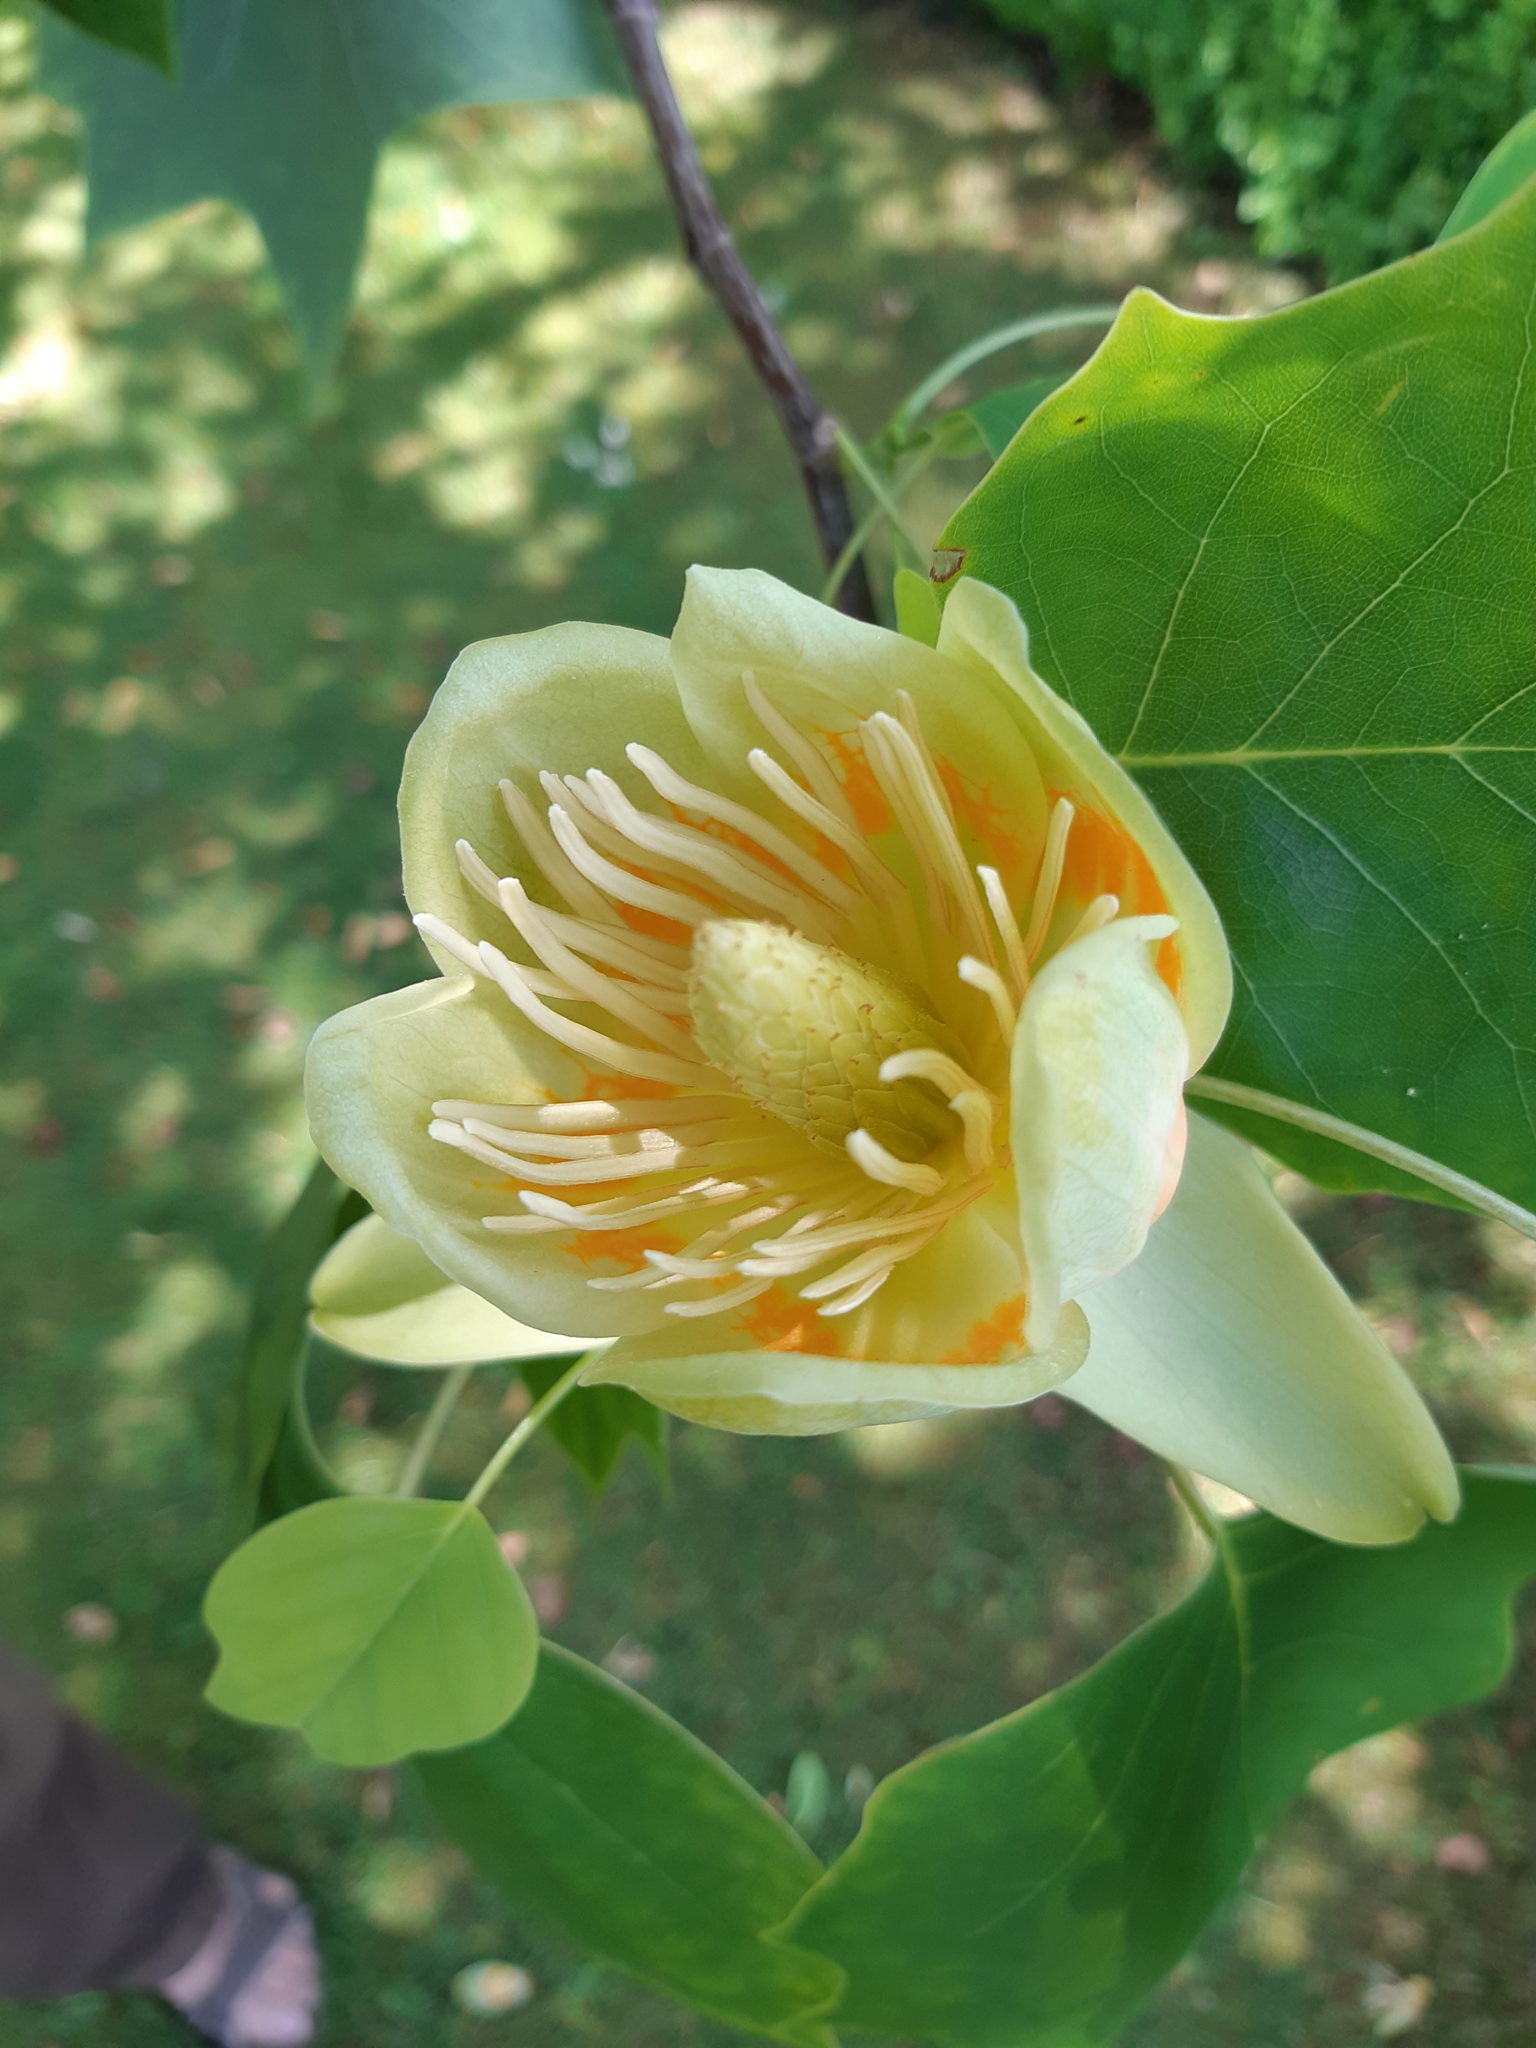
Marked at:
<point>282,107</point>
<point>599,1815</point>
<point>1497,178</point>
<point>377,1627</point>
<point>593,1424</point>
<point>378,1295</point>
<point>1281,567</point>
<point>1028,1885</point>
<point>1000,414</point>
<point>140,27</point>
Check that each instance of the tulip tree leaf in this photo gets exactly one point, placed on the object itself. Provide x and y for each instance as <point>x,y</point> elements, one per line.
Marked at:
<point>141,27</point>
<point>378,1627</point>
<point>593,1424</point>
<point>1283,567</point>
<point>1497,178</point>
<point>282,107</point>
<point>1028,1885</point>
<point>597,1814</point>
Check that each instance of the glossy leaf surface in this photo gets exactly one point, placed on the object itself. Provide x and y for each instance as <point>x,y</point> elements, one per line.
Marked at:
<point>282,107</point>
<point>1028,1885</point>
<point>608,1821</point>
<point>1282,567</point>
<point>378,1627</point>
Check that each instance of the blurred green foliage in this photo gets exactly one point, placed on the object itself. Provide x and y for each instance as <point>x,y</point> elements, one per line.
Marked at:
<point>1354,123</point>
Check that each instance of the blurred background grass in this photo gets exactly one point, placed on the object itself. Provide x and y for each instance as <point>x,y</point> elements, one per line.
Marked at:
<point>221,622</point>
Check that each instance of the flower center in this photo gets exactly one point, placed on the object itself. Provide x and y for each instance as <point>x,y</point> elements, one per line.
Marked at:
<point>805,1030</point>
<point>766,1105</point>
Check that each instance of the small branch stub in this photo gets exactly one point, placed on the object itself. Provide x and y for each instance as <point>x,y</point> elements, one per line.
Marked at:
<point>808,427</point>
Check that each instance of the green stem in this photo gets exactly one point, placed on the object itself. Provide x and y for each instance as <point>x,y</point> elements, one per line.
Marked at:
<point>1199,1513</point>
<point>922,395</point>
<point>534,1420</point>
<point>878,489</point>
<point>903,480</point>
<point>430,1433</point>
<point>1206,1087</point>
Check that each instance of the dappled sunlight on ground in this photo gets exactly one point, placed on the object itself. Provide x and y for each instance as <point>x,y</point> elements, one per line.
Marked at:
<point>223,618</point>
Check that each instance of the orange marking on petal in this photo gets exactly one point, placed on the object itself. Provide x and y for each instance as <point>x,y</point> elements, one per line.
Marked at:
<point>625,1088</point>
<point>781,1323</point>
<point>738,841</point>
<point>1103,859</point>
<point>993,826</point>
<point>998,1336</point>
<point>871,812</point>
<point>831,856</point>
<point>651,925</point>
<point>627,1247</point>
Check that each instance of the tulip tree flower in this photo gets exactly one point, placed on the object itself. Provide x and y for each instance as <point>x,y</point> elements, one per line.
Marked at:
<point>814,1015</point>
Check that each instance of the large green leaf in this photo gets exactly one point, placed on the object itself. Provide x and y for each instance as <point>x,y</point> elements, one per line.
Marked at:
<point>597,1814</point>
<point>281,106</point>
<point>1283,568</point>
<point>141,27</point>
<point>378,1627</point>
<point>1027,1886</point>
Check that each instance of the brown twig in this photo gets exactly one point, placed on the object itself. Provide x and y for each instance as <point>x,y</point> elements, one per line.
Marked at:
<point>808,427</point>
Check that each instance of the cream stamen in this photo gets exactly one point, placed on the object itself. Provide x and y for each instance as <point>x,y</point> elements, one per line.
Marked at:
<point>871,1157</point>
<point>1101,911</point>
<point>756,1178</point>
<point>1007,926</point>
<point>581,1038</point>
<point>567,881</point>
<point>976,974</point>
<point>672,788</point>
<point>1052,862</point>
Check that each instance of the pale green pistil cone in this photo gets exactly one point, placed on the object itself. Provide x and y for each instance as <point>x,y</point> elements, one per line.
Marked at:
<point>803,1029</point>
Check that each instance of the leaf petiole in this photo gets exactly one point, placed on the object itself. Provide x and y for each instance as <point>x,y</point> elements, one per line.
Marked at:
<point>922,395</point>
<point>1206,1087</point>
<point>531,1423</point>
<point>939,445</point>
<point>879,490</point>
<point>414,1469</point>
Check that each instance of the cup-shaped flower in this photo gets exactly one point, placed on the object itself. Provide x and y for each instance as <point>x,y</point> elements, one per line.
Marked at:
<point>815,1012</point>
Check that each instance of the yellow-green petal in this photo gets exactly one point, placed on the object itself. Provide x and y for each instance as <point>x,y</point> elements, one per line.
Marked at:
<point>774,1393</point>
<point>378,1295</point>
<point>565,699</point>
<point>373,1074</point>
<point>826,673</point>
<point>1230,1348</point>
<point>1099,1065</point>
<point>983,632</point>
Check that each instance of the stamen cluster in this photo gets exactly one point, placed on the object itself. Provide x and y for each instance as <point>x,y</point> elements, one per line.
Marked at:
<point>797,1044</point>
